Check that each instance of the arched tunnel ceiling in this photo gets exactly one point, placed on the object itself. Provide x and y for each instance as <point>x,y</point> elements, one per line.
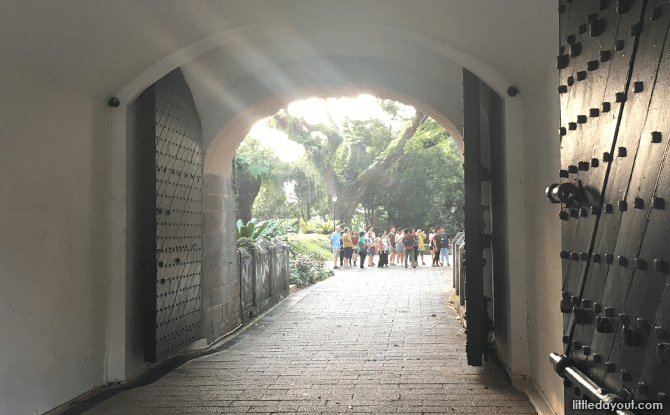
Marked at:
<point>101,46</point>
<point>228,79</point>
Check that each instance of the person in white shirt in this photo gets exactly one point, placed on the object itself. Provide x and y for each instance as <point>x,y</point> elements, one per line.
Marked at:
<point>399,247</point>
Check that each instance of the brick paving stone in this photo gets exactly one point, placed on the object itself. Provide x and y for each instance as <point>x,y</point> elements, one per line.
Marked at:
<point>361,342</point>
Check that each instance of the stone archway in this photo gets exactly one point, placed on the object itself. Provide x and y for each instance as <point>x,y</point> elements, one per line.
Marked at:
<point>219,275</point>
<point>259,99</point>
<point>222,148</point>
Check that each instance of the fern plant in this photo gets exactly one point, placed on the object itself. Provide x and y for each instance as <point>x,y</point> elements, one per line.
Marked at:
<point>267,229</point>
<point>307,226</point>
<point>326,226</point>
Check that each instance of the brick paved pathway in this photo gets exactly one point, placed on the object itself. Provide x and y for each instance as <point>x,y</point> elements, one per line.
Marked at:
<point>372,341</point>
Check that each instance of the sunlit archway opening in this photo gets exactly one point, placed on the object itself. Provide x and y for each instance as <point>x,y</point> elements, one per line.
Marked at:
<point>356,161</point>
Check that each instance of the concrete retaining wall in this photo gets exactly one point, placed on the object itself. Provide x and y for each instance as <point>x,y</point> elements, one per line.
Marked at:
<point>263,276</point>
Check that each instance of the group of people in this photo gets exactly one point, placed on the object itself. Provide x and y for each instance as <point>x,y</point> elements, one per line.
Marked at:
<point>391,247</point>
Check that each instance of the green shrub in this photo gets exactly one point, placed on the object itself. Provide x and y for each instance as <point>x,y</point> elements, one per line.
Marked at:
<point>245,243</point>
<point>308,269</point>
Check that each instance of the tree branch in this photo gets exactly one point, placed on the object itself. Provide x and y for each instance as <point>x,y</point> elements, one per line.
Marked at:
<point>323,164</point>
<point>330,116</point>
<point>309,127</point>
<point>381,166</point>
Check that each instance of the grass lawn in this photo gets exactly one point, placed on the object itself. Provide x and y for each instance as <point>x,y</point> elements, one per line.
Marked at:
<point>305,244</point>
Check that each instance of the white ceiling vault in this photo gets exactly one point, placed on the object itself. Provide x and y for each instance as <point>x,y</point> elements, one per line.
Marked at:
<point>236,52</point>
<point>103,45</point>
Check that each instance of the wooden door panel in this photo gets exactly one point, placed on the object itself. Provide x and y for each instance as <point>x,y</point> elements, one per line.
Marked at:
<point>589,119</point>
<point>609,227</point>
<point>474,288</point>
<point>484,219</point>
<point>623,231</point>
<point>576,95</point>
<point>643,224</point>
<point>598,50</point>
<point>614,147</point>
<point>178,217</point>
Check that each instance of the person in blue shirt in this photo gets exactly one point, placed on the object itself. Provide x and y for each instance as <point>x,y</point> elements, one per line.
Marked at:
<point>336,243</point>
<point>444,250</point>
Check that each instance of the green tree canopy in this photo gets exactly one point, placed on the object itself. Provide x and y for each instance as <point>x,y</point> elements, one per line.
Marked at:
<point>254,166</point>
<point>352,157</point>
<point>401,170</point>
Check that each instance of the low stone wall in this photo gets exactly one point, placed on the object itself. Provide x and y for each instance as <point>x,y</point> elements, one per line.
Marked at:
<point>220,281</point>
<point>263,276</point>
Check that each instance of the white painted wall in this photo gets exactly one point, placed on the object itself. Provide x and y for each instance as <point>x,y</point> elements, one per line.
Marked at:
<point>62,61</point>
<point>53,244</point>
<point>541,144</point>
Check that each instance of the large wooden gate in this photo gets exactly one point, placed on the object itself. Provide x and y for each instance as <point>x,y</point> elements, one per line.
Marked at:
<point>485,212</point>
<point>614,68</point>
<point>178,217</point>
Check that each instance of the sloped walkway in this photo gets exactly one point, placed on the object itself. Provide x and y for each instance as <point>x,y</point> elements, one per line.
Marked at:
<point>373,341</point>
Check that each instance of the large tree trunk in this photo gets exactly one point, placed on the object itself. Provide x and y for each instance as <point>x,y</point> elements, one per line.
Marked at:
<point>246,190</point>
<point>349,210</point>
<point>333,189</point>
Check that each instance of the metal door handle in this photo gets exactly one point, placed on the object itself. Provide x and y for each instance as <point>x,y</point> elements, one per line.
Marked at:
<point>565,368</point>
<point>561,193</point>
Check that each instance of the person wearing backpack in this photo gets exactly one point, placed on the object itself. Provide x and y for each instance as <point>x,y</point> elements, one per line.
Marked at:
<point>415,245</point>
<point>408,242</point>
<point>362,248</point>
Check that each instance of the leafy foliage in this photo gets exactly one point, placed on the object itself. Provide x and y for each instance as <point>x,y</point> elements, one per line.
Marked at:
<point>353,156</point>
<point>308,269</point>
<point>263,230</point>
<point>260,161</point>
<point>245,243</point>
<point>308,226</point>
<point>422,187</point>
<point>256,168</point>
<point>325,226</point>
